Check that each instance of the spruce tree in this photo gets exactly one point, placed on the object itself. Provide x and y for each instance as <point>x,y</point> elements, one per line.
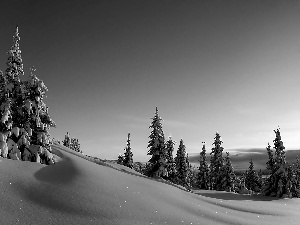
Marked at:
<point>156,145</point>
<point>271,162</point>
<point>14,63</point>
<point>252,179</point>
<point>5,103</point>
<point>170,160</point>
<point>203,175</point>
<point>297,172</point>
<point>120,159</point>
<point>190,174</point>
<point>216,163</point>
<point>128,161</point>
<point>227,175</point>
<point>37,113</point>
<point>14,85</point>
<point>181,165</point>
<point>22,110</point>
<point>67,140</point>
<point>281,182</point>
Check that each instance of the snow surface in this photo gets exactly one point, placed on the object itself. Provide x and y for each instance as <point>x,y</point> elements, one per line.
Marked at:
<point>78,191</point>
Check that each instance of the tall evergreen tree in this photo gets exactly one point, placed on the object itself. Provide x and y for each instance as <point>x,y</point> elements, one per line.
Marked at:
<point>216,163</point>
<point>203,175</point>
<point>281,182</point>
<point>181,165</point>
<point>156,145</point>
<point>23,111</point>
<point>252,179</point>
<point>227,175</point>
<point>128,160</point>
<point>170,160</point>
<point>14,89</point>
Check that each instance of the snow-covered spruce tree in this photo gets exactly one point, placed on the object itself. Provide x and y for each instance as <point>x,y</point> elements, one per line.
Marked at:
<point>216,163</point>
<point>11,97</point>
<point>128,160</point>
<point>282,182</point>
<point>181,165</point>
<point>227,175</point>
<point>252,179</point>
<point>14,88</point>
<point>203,175</point>
<point>156,145</point>
<point>37,112</point>
<point>170,160</point>
<point>5,110</point>
<point>23,112</point>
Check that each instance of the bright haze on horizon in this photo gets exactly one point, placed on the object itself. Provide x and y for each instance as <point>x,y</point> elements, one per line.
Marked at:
<point>226,66</point>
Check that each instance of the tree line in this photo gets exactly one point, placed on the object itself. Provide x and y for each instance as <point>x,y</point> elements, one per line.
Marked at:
<point>218,173</point>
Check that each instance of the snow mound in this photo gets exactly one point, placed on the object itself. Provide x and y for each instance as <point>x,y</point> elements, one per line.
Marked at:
<point>76,190</point>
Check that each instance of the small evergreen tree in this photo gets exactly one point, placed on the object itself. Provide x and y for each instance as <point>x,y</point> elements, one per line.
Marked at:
<point>128,161</point>
<point>227,175</point>
<point>120,159</point>
<point>67,140</point>
<point>181,165</point>
<point>216,163</point>
<point>170,160</point>
<point>190,174</point>
<point>240,182</point>
<point>156,145</point>
<point>252,179</point>
<point>271,162</point>
<point>203,175</point>
<point>297,172</point>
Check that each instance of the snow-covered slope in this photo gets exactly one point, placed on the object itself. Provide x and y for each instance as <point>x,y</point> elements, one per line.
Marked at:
<point>78,191</point>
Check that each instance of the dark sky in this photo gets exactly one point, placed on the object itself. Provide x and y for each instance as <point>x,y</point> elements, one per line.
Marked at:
<point>226,66</point>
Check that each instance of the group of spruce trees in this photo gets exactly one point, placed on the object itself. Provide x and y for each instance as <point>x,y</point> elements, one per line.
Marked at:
<point>72,143</point>
<point>218,174</point>
<point>25,122</point>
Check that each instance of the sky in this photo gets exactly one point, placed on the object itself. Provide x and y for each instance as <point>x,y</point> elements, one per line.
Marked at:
<point>209,66</point>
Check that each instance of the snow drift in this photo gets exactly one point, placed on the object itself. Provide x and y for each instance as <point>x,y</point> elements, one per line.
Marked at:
<point>78,191</point>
